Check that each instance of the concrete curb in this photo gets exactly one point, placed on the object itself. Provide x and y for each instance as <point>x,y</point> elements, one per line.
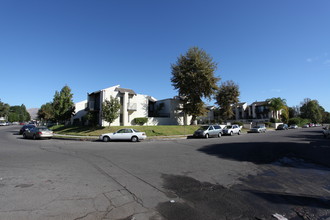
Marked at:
<point>96,138</point>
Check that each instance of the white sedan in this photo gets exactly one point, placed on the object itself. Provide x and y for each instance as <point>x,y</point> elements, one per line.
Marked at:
<point>124,134</point>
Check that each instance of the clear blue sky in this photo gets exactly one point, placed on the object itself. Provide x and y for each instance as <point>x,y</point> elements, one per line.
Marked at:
<point>270,48</point>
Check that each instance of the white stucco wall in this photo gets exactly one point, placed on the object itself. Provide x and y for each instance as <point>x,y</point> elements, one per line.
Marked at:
<point>79,110</point>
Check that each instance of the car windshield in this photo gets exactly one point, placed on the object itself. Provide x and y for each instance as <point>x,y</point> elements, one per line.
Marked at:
<point>229,127</point>
<point>258,126</point>
<point>203,128</point>
<point>43,129</point>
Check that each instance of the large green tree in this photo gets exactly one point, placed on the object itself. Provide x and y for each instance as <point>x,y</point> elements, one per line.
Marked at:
<point>193,75</point>
<point>110,109</point>
<point>276,104</point>
<point>311,109</point>
<point>227,95</point>
<point>46,112</point>
<point>4,109</point>
<point>18,113</point>
<point>63,105</point>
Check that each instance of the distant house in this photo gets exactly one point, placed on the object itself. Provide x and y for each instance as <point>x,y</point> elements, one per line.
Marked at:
<point>133,105</point>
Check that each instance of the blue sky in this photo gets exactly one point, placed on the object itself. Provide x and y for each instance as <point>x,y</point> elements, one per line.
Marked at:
<point>269,48</point>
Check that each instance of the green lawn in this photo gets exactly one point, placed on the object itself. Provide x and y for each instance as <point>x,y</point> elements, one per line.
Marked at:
<point>161,130</point>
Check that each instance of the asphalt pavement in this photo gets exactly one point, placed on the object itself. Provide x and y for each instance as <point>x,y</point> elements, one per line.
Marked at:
<point>280,174</point>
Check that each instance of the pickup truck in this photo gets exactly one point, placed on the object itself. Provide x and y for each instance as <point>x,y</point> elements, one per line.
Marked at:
<point>232,129</point>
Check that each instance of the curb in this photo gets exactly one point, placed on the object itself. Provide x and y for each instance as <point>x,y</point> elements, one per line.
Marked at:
<point>96,138</point>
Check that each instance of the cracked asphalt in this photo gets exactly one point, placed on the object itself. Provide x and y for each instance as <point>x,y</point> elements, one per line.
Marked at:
<point>251,176</point>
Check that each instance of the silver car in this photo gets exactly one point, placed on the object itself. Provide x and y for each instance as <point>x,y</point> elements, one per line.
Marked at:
<point>38,133</point>
<point>208,131</point>
<point>124,134</point>
<point>258,129</point>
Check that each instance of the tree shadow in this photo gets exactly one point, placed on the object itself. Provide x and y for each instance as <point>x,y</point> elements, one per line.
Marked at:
<point>203,200</point>
<point>269,152</point>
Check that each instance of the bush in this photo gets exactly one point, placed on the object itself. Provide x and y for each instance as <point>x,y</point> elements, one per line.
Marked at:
<point>238,123</point>
<point>140,121</point>
<point>268,124</point>
<point>298,121</point>
<point>273,120</point>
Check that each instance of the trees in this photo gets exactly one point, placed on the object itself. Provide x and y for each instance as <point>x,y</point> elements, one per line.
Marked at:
<point>46,112</point>
<point>193,77</point>
<point>63,106</point>
<point>227,95</point>
<point>4,109</point>
<point>311,109</point>
<point>110,109</point>
<point>18,113</point>
<point>276,104</point>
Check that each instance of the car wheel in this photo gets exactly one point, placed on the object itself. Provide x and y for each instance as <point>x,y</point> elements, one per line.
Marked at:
<point>219,135</point>
<point>106,139</point>
<point>239,132</point>
<point>34,137</point>
<point>231,133</point>
<point>134,139</point>
<point>24,136</point>
<point>206,136</point>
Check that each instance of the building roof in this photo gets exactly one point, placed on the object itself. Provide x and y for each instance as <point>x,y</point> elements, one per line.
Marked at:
<point>260,103</point>
<point>122,90</point>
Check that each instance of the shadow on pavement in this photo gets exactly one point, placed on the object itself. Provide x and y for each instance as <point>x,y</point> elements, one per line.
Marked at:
<point>203,200</point>
<point>269,152</point>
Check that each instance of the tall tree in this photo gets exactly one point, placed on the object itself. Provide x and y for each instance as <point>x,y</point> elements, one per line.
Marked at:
<point>63,105</point>
<point>110,110</point>
<point>227,95</point>
<point>4,109</point>
<point>46,112</point>
<point>276,104</point>
<point>18,113</point>
<point>311,110</point>
<point>193,77</point>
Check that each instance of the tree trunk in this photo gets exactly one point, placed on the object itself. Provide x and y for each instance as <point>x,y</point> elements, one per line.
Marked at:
<point>193,120</point>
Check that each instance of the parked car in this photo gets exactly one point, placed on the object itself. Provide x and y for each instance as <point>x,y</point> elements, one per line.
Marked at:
<point>3,123</point>
<point>24,127</point>
<point>306,126</point>
<point>232,129</point>
<point>124,134</point>
<point>208,131</point>
<point>258,129</point>
<point>293,126</point>
<point>282,127</point>
<point>326,131</point>
<point>38,133</point>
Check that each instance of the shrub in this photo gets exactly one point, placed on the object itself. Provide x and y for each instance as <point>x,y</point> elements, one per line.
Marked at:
<point>140,121</point>
<point>238,123</point>
<point>273,120</point>
<point>268,124</point>
<point>298,121</point>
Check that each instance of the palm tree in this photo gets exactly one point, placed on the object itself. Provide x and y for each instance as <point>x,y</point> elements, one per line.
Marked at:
<point>276,104</point>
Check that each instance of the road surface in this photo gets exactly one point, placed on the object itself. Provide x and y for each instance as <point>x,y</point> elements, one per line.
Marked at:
<point>250,176</point>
